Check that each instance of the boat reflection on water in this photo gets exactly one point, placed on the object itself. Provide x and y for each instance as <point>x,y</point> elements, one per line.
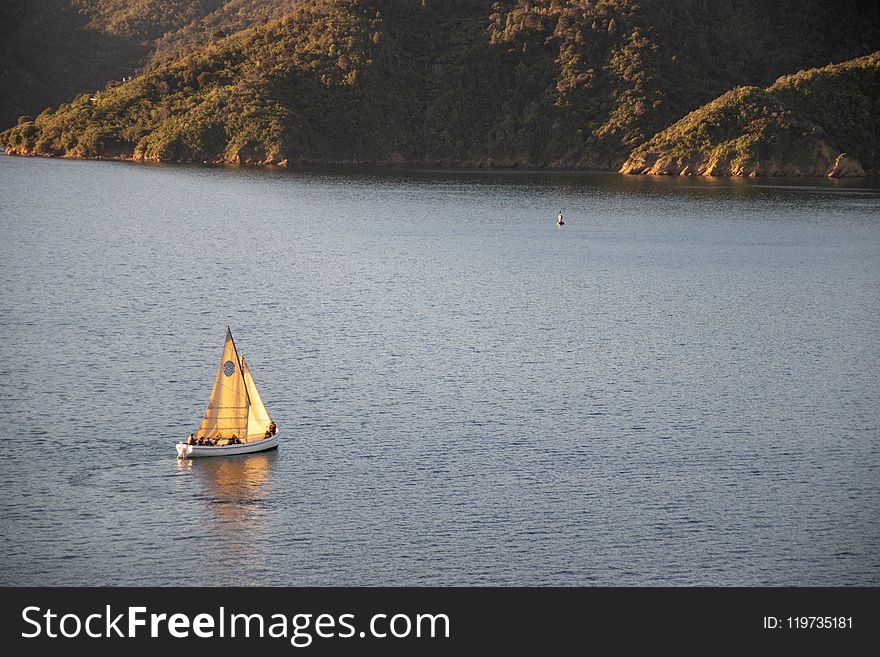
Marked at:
<point>236,490</point>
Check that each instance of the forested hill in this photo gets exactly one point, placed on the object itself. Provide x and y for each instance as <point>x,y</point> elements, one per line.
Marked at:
<point>53,50</point>
<point>571,83</point>
<point>823,121</point>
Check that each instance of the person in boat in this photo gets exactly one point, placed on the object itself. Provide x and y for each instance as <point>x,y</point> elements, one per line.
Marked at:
<point>191,440</point>
<point>560,220</point>
<point>272,428</point>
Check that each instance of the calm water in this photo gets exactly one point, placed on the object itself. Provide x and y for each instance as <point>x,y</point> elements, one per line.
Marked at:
<point>679,387</point>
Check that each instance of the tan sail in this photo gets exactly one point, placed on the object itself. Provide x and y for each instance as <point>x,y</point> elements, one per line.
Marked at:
<point>227,412</point>
<point>258,416</point>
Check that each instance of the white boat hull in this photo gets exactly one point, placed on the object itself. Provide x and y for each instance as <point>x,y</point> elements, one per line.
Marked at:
<point>185,451</point>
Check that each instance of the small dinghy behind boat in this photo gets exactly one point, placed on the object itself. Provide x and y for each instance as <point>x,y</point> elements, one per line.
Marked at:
<point>236,420</point>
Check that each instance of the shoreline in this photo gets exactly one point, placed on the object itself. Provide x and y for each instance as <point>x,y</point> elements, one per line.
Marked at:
<point>437,165</point>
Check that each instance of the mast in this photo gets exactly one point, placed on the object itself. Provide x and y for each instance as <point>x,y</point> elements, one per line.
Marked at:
<point>240,358</point>
<point>247,414</point>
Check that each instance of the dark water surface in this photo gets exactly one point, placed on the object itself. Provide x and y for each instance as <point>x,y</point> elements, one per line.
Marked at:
<point>679,387</point>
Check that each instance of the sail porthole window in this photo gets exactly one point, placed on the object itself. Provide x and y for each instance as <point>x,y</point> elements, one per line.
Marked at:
<point>228,368</point>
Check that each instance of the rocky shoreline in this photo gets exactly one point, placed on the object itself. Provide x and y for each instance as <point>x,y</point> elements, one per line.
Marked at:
<point>839,166</point>
<point>824,165</point>
<point>279,161</point>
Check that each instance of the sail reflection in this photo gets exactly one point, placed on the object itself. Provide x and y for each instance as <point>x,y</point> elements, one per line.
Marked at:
<point>236,489</point>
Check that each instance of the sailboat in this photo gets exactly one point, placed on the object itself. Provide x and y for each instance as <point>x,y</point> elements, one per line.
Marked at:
<point>236,420</point>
